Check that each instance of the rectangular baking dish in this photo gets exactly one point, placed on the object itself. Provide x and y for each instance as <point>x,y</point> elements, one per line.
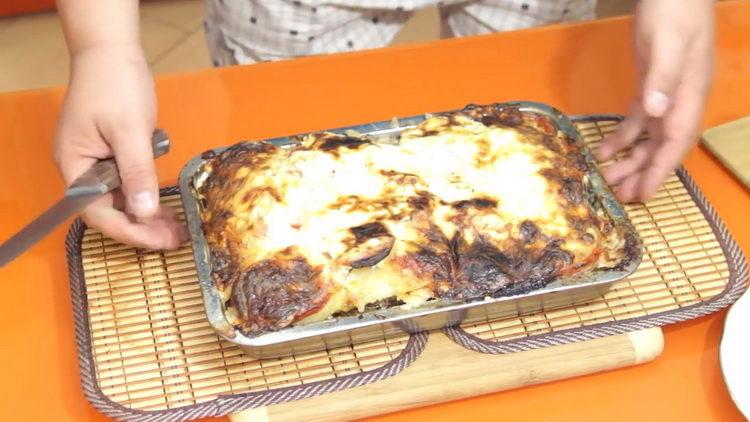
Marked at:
<point>564,291</point>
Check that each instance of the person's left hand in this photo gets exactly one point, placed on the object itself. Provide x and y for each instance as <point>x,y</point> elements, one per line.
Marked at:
<point>674,52</point>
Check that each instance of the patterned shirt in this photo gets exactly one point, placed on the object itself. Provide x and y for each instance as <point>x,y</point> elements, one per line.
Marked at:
<point>247,31</point>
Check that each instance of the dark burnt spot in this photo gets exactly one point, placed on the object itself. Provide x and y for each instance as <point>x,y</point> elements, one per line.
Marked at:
<point>223,269</point>
<point>453,120</point>
<point>479,203</point>
<point>578,161</point>
<point>478,271</point>
<point>494,115</point>
<point>554,174</point>
<point>370,307</point>
<point>217,219</point>
<point>521,287</point>
<point>435,235</point>
<point>226,164</point>
<point>273,293</point>
<point>247,149</point>
<point>489,120</point>
<point>372,244</point>
<point>334,142</point>
<point>378,255</point>
<point>544,124</point>
<point>529,232</point>
<point>631,250</point>
<point>207,155</point>
<point>577,223</point>
<point>420,202</point>
<point>438,265</point>
<point>369,231</point>
<point>551,143</point>
<point>511,117</point>
<point>553,258</point>
<point>572,190</point>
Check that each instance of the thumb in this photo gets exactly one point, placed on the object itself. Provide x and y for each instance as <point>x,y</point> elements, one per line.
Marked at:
<point>663,73</point>
<point>135,162</point>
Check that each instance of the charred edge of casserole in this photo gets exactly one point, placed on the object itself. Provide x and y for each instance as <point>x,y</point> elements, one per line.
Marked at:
<point>501,115</point>
<point>462,271</point>
<point>332,142</point>
<point>221,168</point>
<point>370,307</point>
<point>631,252</point>
<point>273,293</point>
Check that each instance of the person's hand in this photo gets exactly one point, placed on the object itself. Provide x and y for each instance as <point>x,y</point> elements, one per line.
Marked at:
<point>109,110</point>
<point>674,52</point>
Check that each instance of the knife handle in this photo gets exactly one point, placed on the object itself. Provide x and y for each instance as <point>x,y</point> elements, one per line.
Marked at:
<point>103,177</point>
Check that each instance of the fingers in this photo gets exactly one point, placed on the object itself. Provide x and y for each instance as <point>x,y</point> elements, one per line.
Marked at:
<point>625,135</point>
<point>627,190</point>
<point>665,67</point>
<point>679,131</point>
<point>650,163</point>
<point>135,162</point>
<point>637,159</point>
<point>161,231</point>
<point>71,158</point>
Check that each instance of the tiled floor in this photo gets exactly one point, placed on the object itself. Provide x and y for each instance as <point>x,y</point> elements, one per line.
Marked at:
<point>33,52</point>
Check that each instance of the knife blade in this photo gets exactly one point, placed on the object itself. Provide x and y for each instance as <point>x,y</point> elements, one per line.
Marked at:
<point>102,177</point>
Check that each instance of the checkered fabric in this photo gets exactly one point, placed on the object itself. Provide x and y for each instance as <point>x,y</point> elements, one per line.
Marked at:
<point>247,31</point>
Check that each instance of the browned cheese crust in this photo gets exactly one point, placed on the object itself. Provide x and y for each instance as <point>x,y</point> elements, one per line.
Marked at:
<point>340,224</point>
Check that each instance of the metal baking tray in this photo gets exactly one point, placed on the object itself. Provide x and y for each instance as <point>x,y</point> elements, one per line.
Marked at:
<point>373,325</point>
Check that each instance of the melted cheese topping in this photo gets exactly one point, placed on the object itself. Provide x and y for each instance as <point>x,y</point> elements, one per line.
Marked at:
<point>458,163</point>
<point>308,200</point>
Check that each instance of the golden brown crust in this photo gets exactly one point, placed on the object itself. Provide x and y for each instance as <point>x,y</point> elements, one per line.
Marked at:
<point>435,245</point>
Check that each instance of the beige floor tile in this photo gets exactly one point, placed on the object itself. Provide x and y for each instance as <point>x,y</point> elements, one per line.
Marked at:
<point>158,39</point>
<point>424,25</point>
<point>609,8</point>
<point>32,53</point>
<point>186,15</point>
<point>192,54</point>
<point>5,23</point>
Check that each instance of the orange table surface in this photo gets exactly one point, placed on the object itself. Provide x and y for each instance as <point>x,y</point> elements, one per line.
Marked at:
<point>584,68</point>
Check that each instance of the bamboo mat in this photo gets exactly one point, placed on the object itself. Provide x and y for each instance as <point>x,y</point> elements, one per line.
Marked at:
<point>146,346</point>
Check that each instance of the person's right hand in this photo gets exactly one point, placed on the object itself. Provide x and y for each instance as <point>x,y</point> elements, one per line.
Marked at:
<point>109,110</point>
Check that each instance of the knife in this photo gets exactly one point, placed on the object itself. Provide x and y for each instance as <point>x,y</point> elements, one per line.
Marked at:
<point>102,177</point>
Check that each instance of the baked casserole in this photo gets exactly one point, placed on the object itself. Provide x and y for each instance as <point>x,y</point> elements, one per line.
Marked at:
<point>486,202</point>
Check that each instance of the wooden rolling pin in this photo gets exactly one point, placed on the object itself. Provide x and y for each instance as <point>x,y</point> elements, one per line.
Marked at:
<point>446,371</point>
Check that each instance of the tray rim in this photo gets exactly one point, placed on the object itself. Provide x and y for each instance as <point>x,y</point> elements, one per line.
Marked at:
<point>215,307</point>
<point>224,405</point>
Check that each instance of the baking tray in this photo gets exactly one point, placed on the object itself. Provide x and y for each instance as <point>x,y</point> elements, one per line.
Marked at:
<point>564,291</point>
